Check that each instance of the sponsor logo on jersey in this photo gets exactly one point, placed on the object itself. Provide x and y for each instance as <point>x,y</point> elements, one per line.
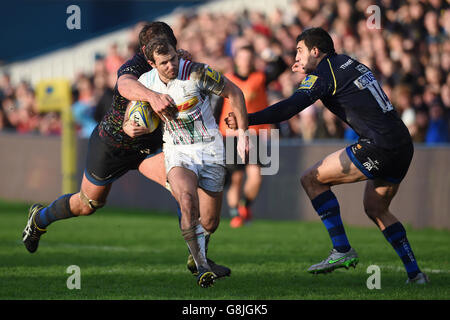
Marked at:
<point>308,82</point>
<point>362,68</point>
<point>213,74</point>
<point>356,148</point>
<point>187,104</point>
<point>365,80</point>
<point>368,166</point>
<point>345,65</point>
<point>371,164</point>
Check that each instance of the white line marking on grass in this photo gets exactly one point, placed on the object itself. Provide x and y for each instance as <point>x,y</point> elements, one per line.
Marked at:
<point>99,247</point>
<point>401,269</point>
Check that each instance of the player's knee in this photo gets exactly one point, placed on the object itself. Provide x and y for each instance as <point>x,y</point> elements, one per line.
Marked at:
<point>210,224</point>
<point>88,206</point>
<point>86,210</point>
<point>307,179</point>
<point>373,210</point>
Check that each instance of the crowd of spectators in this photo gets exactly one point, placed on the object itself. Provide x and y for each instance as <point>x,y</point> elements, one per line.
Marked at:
<point>409,54</point>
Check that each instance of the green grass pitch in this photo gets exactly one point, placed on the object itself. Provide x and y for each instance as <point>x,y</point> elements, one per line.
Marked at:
<point>134,254</point>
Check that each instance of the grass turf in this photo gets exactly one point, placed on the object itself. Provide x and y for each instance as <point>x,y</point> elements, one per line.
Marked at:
<point>133,254</point>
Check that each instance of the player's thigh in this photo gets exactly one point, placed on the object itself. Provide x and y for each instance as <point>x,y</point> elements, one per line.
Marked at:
<point>154,168</point>
<point>210,205</point>
<point>378,195</point>
<point>183,183</point>
<point>336,168</point>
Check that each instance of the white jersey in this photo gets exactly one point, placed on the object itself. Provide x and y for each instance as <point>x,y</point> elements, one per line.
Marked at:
<point>195,127</point>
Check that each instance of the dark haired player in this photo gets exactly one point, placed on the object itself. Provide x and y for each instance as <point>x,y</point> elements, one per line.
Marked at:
<point>381,156</point>
<point>115,149</point>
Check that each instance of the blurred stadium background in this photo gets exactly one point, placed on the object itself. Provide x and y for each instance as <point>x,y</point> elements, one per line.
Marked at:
<point>410,55</point>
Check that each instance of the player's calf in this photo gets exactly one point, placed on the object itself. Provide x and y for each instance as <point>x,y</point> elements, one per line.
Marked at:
<point>189,214</point>
<point>57,210</point>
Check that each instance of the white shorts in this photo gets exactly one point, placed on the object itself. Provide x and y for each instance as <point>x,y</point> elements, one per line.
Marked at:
<point>207,163</point>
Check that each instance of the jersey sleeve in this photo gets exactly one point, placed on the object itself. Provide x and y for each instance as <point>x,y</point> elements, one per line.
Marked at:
<point>143,79</point>
<point>310,90</point>
<point>208,80</point>
<point>136,66</point>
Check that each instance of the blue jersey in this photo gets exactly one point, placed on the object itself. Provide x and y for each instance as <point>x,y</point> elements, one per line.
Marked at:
<point>110,128</point>
<point>349,89</point>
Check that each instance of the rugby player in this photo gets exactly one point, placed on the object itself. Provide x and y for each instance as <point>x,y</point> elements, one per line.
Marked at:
<point>381,156</point>
<point>193,146</point>
<point>114,150</point>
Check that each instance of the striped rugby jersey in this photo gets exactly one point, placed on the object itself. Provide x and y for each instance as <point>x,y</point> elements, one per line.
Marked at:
<point>191,90</point>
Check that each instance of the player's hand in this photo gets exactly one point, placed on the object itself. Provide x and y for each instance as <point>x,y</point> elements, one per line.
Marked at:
<point>231,121</point>
<point>163,105</point>
<point>296,67</point>
<point>183,54</point>
<point>132,129</point>
<point>243,146</point>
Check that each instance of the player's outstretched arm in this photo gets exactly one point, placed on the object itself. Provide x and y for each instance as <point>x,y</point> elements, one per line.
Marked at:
<point>282,110</point>
<point>311,89</point>
<point>276,113</point>
<point>237,102</point>
<point>130,88</point>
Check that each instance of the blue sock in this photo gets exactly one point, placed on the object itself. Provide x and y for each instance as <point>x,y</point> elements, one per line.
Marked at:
<point>327,207</point>
<point>396,235</point>
<point>57,210</point>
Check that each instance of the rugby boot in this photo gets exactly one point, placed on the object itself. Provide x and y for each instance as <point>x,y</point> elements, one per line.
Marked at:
<point>336,260</point>
<point>421,278</point>
<point>32,233</point>
<point>219,271</point>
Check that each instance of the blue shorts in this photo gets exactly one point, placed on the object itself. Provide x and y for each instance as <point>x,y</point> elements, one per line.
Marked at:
<point>106,163</point>
<point>378,163</point>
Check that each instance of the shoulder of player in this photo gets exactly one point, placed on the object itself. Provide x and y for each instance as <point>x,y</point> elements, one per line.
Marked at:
<point>190,70</point>
<point>331,69</point>
<point>339,65</point>
<point>139,57</point>
<point>135,65</point>
<point>148,77</point>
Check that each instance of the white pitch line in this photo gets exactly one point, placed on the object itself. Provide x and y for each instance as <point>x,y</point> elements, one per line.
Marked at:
<point>401,269</point>
<point>97,247</point>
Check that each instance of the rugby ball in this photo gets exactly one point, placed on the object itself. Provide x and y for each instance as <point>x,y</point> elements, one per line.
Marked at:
<point>141,113</point>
